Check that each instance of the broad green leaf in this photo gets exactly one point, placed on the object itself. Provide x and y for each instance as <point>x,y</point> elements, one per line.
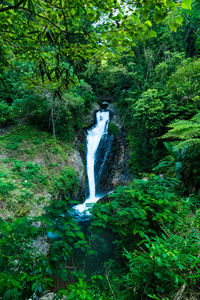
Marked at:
<point>151,34</point>
<point>169,3</point>
<point>179,20</point>
<point>148,23</point>
<point>173,26</point>
<point>186,4</point>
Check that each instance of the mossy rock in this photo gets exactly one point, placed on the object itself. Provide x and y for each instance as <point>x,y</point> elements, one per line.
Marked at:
<point>113,129</point>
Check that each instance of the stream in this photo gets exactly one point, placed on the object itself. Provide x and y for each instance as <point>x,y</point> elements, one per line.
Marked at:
<point>98,145</point>
<point>98,142</point>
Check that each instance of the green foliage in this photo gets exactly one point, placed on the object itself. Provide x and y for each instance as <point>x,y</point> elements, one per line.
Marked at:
<point>153,86</point>
<point>5,113</point>
<point>187,132</point>
<point>60,113</point>
<point>84,291</point>
<point>183,86</point>
<point>11,86</point>
<point>153,232</point>
<point>23,271</point>
<point>184,151</point>
<point>141,208</point>
<point>148,110</point>
<point>167,260</point>
<point>44,49</point>
<point>66,238</point>
<point>147,120</point>
<point>47,50</point>
<point>33,168</point>
<point>6,187</point>
<point>67,182</point>
<point>14,143</point>
<point>29,171</point>
<point>113,129</point>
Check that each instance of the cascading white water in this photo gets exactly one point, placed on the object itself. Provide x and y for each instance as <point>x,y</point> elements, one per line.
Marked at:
<point>94,136</point>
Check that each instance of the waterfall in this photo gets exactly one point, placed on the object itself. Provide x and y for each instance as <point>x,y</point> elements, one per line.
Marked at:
<point>94,137</point>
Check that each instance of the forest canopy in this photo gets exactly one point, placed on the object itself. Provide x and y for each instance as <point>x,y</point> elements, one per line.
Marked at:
<point>59,36</point>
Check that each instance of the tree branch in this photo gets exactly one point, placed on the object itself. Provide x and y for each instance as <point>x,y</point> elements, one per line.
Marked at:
<point>43,17</point>
<point>12,6</point>
<point>180,292</point>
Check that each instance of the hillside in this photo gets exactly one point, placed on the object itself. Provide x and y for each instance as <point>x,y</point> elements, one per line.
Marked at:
<point>33,166</point>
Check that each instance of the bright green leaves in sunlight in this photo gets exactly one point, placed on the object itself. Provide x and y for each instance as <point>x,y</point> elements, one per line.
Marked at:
<point>186,4</point>
<point>175,20</point>
<point>179,20</point>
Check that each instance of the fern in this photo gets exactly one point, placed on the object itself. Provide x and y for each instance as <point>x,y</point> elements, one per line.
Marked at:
<point>184,151</point>
<point>189,143</point>
<point>186,133</point>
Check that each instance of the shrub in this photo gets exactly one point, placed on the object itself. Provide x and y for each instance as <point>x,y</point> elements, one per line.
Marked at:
<point>142,207</point>
<point>5,113</point>
<point>14,142</point>
<point>17,165</point>
<point>169,261</point>
<point>67,182</point>
<point>23,271</point>
<point>65,237</point>
<point>29,171</point>
<point>82,290</point>
<point>6,188</point>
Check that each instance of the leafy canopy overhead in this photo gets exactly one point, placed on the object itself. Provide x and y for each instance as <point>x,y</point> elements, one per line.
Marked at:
<point>59,35</point>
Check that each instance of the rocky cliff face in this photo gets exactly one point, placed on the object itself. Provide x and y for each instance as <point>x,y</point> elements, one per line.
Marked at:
<point>101,161</point>
<point>90,118</point>
<point>112,171</point>
<point>76,162</point>
<point>116,169</point>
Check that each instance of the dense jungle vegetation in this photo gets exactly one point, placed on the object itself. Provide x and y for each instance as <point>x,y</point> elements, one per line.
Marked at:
<point>58,58</point>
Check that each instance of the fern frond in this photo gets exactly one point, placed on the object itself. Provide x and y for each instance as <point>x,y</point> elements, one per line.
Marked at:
<point>186,130</point>
<point>183,133</point>
<point>190,143</point>
<point>182,123</point>
<point>164,164</point>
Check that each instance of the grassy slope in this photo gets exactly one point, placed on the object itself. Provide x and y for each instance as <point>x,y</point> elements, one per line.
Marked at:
<point>30,161</point>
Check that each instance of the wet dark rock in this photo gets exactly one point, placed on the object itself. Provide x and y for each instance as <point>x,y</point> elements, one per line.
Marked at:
<point>112,157</point>
<point>116,169</point>
<point>90,118</point>
<point>105,104</point>
<point>102,155</point>
<point>76,161</point>
<point>106,198</point>
<point>115,118</point>
<point>112,108</point>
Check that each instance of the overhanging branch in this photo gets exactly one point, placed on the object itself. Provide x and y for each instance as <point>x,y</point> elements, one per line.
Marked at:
<point>11,6</point>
